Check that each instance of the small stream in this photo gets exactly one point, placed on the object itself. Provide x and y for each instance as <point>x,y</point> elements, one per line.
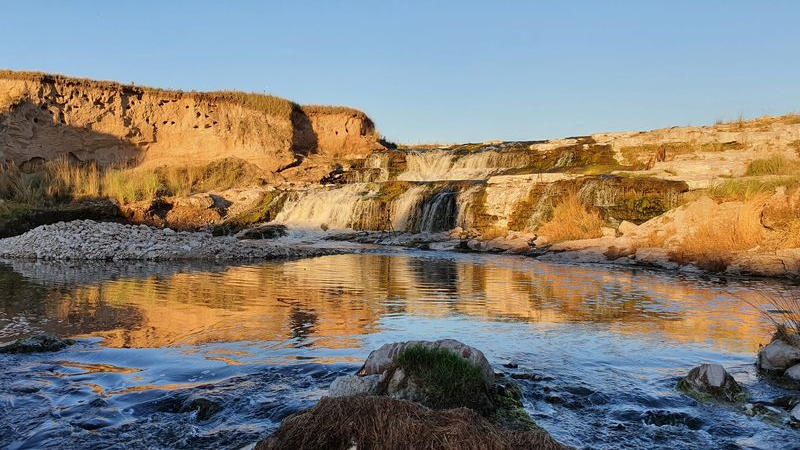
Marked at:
<point>213,356</point>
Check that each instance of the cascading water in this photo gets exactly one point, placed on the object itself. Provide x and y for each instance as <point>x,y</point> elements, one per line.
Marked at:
<point>438,213</point>
<point>352,206</point>
<point>446,165</point>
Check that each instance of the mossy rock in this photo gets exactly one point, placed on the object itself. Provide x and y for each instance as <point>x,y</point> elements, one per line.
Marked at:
<point>267,208</point>
<point>711,382</point>
<point>441,379</point>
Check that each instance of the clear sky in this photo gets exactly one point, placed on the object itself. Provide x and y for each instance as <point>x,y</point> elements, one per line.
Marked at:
<point>440,71</point>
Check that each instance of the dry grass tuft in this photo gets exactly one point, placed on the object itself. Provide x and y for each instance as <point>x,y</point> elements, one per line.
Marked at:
<point>749,187</point>
<point>60,180</point>
<point>382,422</point>
<point>782,309</point>
<point>572,220</point>
<point>774,165</point>
<point>714,242</point>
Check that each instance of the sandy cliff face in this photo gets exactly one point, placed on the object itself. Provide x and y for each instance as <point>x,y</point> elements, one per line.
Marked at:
<point>47,117</point>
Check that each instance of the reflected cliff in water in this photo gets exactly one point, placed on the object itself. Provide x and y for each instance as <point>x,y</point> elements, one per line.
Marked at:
<point>331,301</point>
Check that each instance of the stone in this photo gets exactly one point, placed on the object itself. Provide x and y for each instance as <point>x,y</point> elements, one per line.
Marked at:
<point>348,385</point>
<point>45,342</point>
<point>381,360</point>
<point>795,413</point>
<point>778,356</point>
<point>711,381</point>
<point>204,408</point>
<point>627,228</point>
<point>793,373</point>
<point>264,231</point>
<point>608,232</point>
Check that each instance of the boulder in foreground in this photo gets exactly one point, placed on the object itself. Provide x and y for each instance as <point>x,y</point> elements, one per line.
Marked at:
<point>711,382</point>
<point>417,394</point>
<point>778,356</point>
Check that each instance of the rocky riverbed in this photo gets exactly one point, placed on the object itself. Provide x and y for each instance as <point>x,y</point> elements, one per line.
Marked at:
<point>90,240</point>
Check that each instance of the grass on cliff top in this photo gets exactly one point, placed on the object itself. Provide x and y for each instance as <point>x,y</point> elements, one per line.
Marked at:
<point>268,104</point>
<point>59,181</point>
<point>572,220</point>
<point>451,380</point>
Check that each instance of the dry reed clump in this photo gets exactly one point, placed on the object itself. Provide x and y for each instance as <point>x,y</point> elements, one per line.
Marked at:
<point>572,220</point>
<point>715,241</point>
<point>383,422</point>
<point>750,187</point>
<point>783,310</point>
<point>59,181</point>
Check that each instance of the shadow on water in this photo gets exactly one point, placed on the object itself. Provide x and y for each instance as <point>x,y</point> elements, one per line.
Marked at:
<point>185,355</point>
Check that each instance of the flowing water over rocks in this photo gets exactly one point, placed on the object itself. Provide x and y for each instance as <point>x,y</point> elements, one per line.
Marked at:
<point>197,355</point>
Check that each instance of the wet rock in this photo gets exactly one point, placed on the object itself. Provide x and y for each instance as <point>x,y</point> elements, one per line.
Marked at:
<point>40,343</point>
<point>793,373</point>
<point>380,360</point>
<point>778,356</point>
<point>349,385</point>
<point>661,418</point>
<point>204,407</point>
<point>95,423</point>
<point>795,413</point>
<point>265,231</point>
<point>711,382</point>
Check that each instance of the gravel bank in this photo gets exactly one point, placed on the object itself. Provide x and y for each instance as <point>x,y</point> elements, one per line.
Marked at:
<point>90,240</point>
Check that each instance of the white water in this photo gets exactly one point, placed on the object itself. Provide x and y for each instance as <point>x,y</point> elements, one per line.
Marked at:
<point>358,206</point>
<point>443,165</point>
<point>336,208</point>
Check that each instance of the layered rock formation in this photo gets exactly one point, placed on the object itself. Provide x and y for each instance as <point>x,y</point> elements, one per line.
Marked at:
<point>45,117</point>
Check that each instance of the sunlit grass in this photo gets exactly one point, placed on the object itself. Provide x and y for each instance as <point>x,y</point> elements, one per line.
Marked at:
<point>62,181</point>
<point>571,220</point>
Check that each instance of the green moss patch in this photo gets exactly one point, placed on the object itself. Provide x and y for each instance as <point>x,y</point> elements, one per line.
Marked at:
<point>449,380</point>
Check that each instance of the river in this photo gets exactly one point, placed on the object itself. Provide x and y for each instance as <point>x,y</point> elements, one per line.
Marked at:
<point>190,355</point>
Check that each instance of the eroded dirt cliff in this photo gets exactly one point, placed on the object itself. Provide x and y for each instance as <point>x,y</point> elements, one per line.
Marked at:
<point>45,117</point>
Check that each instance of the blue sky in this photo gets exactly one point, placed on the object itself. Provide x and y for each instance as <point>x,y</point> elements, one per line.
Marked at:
<point>440,71</point>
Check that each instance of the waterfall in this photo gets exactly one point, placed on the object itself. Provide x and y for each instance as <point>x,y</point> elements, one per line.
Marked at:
<point>446,165</point>
<point>352,206</point>
<point>439,213</point>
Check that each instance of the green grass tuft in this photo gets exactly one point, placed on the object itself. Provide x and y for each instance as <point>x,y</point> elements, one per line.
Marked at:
<point>451,381</point>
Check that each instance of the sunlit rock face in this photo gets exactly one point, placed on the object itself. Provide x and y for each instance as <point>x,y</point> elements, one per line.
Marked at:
<point>46,117</point>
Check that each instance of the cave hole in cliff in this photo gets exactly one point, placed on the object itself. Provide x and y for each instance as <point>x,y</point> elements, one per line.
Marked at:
<point>35,120</point>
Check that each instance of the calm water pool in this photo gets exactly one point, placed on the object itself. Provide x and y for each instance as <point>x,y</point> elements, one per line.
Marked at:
<point>262,341</point>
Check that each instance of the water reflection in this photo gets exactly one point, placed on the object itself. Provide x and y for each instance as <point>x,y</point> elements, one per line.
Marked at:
<point>330,301</point>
